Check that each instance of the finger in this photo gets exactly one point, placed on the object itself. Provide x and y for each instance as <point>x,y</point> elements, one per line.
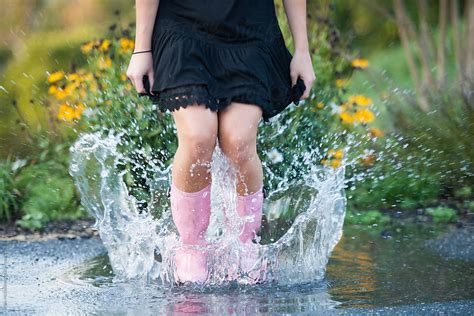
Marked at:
<point>303,95</point>
<point>151,79</point>
<point>133,82</point>
<point>129,77</point>
<point>305,92</point>
<point>139,85</point>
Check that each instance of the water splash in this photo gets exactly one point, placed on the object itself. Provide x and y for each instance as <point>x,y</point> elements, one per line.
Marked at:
<point>142,247</point>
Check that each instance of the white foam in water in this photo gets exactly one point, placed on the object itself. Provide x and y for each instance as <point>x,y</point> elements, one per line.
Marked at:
<point>141,247</point>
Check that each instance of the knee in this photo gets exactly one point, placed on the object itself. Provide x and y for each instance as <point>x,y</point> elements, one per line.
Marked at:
<point>238,147</point>
<point>198,144</point>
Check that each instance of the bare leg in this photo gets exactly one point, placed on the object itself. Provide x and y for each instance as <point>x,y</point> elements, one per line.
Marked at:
<point>237,132</point>
<point>190,190</point>
<point>197,138</point>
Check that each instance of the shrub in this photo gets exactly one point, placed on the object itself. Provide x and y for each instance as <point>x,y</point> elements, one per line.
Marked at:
<point>48,194</point>
<point>38,189</point>
<point>9,205</point>
<point>442,214</point>
<point>366,218</point>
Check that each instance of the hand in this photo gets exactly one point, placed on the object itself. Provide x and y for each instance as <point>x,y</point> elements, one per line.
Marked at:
<point>302,66</point>
<point>139,66</point>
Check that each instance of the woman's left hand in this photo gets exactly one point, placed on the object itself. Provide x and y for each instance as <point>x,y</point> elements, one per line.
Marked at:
<point>302,66</point>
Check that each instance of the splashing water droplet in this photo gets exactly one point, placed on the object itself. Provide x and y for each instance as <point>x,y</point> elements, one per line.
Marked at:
<point>135,238</point>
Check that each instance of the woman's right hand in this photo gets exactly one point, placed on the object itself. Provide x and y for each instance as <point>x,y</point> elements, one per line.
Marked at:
<point>139,66</point>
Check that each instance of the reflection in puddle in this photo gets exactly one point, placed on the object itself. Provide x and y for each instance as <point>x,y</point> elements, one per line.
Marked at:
<point>364,271</point>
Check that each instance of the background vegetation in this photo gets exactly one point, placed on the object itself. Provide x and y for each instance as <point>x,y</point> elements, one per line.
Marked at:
<point>395,74</point>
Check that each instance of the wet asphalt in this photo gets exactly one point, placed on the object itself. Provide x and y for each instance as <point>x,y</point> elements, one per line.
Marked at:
<point>37,277</point>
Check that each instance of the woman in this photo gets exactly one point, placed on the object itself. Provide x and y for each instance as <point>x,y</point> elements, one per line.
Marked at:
<point>219,66</point>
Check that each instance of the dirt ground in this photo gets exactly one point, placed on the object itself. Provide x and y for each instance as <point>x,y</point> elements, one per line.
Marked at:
<point>55,230</point>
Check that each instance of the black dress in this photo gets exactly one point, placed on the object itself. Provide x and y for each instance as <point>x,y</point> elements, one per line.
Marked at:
<point>213,52</point>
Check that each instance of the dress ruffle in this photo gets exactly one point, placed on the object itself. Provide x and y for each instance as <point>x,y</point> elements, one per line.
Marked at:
<point>194,67</point>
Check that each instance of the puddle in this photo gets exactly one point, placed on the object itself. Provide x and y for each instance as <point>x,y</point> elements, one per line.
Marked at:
<point>366,271</point>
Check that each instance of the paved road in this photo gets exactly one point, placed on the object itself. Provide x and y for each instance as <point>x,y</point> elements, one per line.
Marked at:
<point>42,278</point>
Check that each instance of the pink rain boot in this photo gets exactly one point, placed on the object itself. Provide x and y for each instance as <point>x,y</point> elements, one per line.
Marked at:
<point>248,205</point>
<point>191,213</point>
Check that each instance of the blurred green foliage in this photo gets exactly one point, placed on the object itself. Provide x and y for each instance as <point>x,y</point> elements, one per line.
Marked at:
<point>40,37</point>
<point>408,186</point>
<point>370,24</point>
<point>9,205</point>
<point>404,177</point>
<point>442,214</point>
<point>38,189</point>
<point>369,217</point>
<point>48,193</point>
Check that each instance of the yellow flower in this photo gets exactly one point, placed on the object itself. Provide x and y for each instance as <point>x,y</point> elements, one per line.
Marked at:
<point>335,163</point>
<point>69,88</point>
<point>53,89</point>
<point>104,46</point>
<point>360,63</point>
<point>360,100</point>
<point>66,112</point>
<point>123,77</point>
<point>345,106</point>
<point>368,160</point>
<point>55,76</point>
<point>87,47</point>
<point>324,162</point>
<point>364,115</point>
<point>347,117</point>
<point>126,45</point>
<point>338,154</point>
<point>88,76</point>
<point>78,110</point>
<point>341,83</point>
<point>73,77</point>
<point>61,94</point>
<point>104,62</point>
<point>375,132</point>
<point>317,106</point>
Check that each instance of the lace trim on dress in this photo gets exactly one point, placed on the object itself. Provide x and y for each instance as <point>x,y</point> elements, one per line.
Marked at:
<point>182,96</point>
